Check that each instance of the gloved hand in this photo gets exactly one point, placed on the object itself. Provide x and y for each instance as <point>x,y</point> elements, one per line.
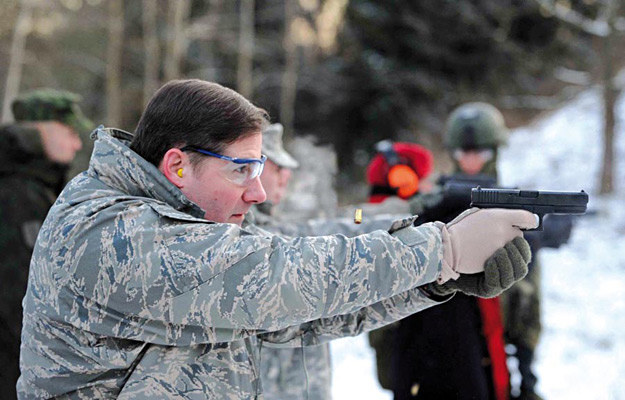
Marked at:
<point>474,236</point>
<point>507,266</point>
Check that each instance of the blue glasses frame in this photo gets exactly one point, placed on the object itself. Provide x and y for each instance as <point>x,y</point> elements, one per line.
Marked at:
<point>235,160</point>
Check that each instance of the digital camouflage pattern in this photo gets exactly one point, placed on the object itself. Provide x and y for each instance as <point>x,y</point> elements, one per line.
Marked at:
<point>304,372</point>
<point>132,294</point>
<point>273,148</point>
<point>29,184</point>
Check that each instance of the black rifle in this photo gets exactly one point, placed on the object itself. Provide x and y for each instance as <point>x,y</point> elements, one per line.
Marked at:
<point>537,202</point>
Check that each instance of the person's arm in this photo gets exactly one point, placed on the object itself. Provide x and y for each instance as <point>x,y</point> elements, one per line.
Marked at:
<point>189,282</point>
<point>506,266</point>
<point>366,319</point>
<point>362,320</point>
<point>331,226</point>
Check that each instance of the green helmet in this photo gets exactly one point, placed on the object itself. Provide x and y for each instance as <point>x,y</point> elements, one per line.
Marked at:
<point>51,105</point>
<point>475,126</point>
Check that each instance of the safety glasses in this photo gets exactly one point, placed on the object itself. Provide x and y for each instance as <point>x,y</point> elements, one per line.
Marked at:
<point>485,154</point>
<point>241,171</point>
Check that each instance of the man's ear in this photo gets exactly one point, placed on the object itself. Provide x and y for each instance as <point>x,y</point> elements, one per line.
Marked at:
<point>174,165</point>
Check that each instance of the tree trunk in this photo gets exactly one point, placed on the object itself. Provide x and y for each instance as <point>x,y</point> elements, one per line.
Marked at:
<point>288,90</point>
<point>114,63</point>
<point>246,49</point>
<point>610,94</point>
<point>176,39</point>
<point>14,74</point>
<point>152,50</point>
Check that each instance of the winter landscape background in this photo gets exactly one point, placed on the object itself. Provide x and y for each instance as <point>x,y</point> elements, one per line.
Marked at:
<point>581,354</point>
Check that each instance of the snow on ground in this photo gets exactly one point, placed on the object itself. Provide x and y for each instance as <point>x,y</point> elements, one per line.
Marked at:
<point>582,350</point>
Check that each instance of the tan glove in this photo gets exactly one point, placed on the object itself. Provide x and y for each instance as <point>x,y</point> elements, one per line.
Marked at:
<point>507,266</point>
<point>474,236</point>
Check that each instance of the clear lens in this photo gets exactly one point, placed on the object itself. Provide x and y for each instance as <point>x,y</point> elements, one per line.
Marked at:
<point>241,174</point>
<point>485,154</point>
<point>241,171</point>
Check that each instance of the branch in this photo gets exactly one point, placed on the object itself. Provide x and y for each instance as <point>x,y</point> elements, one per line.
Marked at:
<point>541,102</point>
<point>599,28</point>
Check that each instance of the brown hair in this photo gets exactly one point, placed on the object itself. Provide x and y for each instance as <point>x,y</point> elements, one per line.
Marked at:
<point>196,113</point>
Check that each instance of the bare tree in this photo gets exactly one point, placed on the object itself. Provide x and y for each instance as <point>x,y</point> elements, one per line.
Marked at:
<point>14,74</point>
<point>246,48</point>
<point>328,23</point>
<point>114,62</point>
<point>610,94</point>
<point>288,89</point>
<point>152,49</point>
<point>176,37</point>
<point>607,26</point>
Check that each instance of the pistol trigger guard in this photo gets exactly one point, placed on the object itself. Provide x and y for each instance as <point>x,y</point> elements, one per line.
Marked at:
<point>539,228</point>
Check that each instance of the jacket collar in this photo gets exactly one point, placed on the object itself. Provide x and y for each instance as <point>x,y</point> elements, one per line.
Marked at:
<point>116,165</point>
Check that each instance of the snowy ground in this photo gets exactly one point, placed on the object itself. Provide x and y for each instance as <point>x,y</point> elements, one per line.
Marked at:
<point>582,350</point>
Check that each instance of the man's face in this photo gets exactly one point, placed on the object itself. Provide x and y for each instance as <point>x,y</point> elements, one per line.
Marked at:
<point>221,199</point>
<point>60,141</point>
<point>472,162</point>
<point>275,180</point>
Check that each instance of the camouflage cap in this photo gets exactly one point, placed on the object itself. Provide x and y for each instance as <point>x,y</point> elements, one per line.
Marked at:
<point>273,148</point>
<point>51,105</point>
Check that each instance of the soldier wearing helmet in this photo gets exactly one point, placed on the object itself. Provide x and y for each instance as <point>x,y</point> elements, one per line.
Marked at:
<point>475,131</point>
<point>36,152</point>
<point>473,134</point>
<point>463,337</point>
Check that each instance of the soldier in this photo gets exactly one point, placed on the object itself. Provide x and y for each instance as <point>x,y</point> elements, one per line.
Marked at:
<point>287,373</point>
<point>474,133</point>
<point>36,152</point>
<point>143,282</point>
<point>275,176</point>
<point>463,337</point>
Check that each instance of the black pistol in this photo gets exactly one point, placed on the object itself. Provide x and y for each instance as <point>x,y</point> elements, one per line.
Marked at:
<point>534,201</point>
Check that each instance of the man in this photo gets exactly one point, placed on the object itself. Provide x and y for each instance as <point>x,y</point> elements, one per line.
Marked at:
<point>144,284</point>
<point>475,133</point>
<point>463,337</point>
<point>36,152</point>
<point>287,373</point>
<point>276,174</point>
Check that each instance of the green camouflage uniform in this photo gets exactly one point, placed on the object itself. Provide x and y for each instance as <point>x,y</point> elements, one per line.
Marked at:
<point>132,294</point>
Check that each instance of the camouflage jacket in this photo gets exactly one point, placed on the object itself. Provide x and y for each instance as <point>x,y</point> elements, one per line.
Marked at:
<point>132,294</point>
<point>304,372</point>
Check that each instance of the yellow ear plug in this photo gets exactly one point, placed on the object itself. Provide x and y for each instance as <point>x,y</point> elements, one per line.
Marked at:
<point>179,172</point>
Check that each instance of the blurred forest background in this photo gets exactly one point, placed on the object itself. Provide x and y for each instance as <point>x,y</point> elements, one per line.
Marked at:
<point>348,72</point>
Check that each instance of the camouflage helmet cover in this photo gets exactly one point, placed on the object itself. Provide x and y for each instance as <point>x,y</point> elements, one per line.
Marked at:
<point>51,105</point>
<point>475,126</point>
<point>273,147</point>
